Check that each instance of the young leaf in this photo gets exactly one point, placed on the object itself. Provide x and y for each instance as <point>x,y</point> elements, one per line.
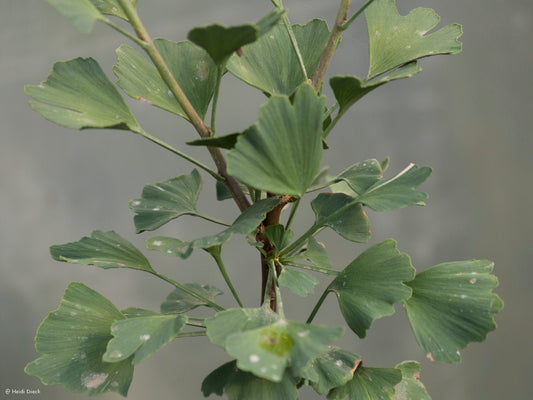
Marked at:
<point>452,305</point>
<point>352,223</point>
<point>271,64</point>
<point>317,254</point>
<point>164,201</point>
<point>278,236</point>
<point>298,282</point>
<point>410,388</point>
<point>245,223</point>
<point>369,286</point>
<point>169,246</point>
<point>223,142</point>
<point>77,94</point>
<point>72,341</point>
<point>282,152</point>
<point>191,66</point>
<point>332,369</point>
<point>220,41</point>
<point>178,302</point>
<point>102,249</point>
<point>397,192</point>
<point>369,384</point>
<point>395,40</point>
<point>239,385</point>
<point>82,13</point>
<point>268,350</point>
<point>141,336</point>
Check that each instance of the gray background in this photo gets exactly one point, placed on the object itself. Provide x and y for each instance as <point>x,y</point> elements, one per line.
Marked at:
<point>468,116</point>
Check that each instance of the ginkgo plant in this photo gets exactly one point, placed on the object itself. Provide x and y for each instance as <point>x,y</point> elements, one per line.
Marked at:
<point>88,345</point>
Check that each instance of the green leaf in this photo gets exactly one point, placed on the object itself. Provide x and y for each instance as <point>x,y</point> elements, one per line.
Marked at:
<point>278,236</point>
<point>102,249</point>
<point>410,388</point>
<point>351,223</point>
<point>134,312</point>
<point>316,253</point>
<point>72,341</point>
<point>223,142</point>
<point>245,223</point>
<point>191,66</point>
<point>369,384</point>
<point>350,89</point>
<point>81,13</point>
<point>282,152</point>
<point>111,7</point>
<point>178,301</point>
<point>271,64</point>
<point>361,176</point>
<point>452,305</point>
<point>221,41</point>
<point>240,385</point>
<point>228,322</point>
<point>298,282</point>
<point>268,350</point>
<point>397,192</point>
<point>332,369</point>
<point>395,40</point>
<point>369,286</point>
<point>169,246</point>
<point>164,201</point>
<point>141,336</point>
<point>77,94</point>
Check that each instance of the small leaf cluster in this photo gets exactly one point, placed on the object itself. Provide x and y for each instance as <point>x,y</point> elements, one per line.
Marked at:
<point>88,345</point>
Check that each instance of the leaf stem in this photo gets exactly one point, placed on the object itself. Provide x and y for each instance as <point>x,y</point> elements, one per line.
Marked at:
<point>188,290</point>
<point>196,324</point>
<point>317,306</point>
<point>202,129</point>
<point>347,24</point>
<point>220,74</point>
<point>279,302</point>
<point>216,254</point>
<point>331,46</point>
<point>214,220</point>
<point>191,334</point>
<point>181,154</point>
<point>301,240</point>
<point>294,208</point>
<point>310,267</point>
<point>119,29</point>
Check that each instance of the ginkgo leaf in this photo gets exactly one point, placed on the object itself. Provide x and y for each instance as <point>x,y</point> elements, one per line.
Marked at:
<point>282,152</point>
<point>240,385</point>
<point>169,246</point>
<point>369,384</point>
<point>343,214</point>
<point>332,369</point>
<point>81,13</point>
<point>142,336</point>
<point>72,341</point>
<point>395,40</point>
<point>370,285</point>
<point>223,142</point>
<point>191,66</point>
<point>278,236</point>
<point>102,249</point>
<point>361,176</point>
<point>271,64</point>
<point>298,282</point>
<point>452,305</point>
<point>178,301</point>
<point>164,201</point>
<point>317,254</point>
<point>111,7</point>
<point>222,41</point>
<point>77,94</point>
<point>410,388</point>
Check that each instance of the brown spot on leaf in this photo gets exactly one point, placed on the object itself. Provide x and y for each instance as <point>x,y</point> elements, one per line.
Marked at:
<point>356,365</point>
<point>322,244</point>
<point>429,356</point>
<point>416,376</point>
<point>144,100</point>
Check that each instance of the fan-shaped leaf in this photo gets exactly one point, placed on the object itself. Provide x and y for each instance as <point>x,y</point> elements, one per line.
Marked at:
<point>369,384</point>
<point>164,201</point>
<point>343,214</point>
<point>317,254</point>
<point>72,341</point>
<point>298,282</point>
<point>141,336</point>
<point>395,40</point>
<point>102,249</point>
<point>410,388</point>
<point>371,284</point>
<point>282,152</point>
<point>452,305</point>
<point>240,385</point>
<point>81,13</point>
<point>178,301</point>
<point>271,64</point>
<point>191,66</point>
<point>77,94</point>
<point>221,41</point>
<point>332,369</point>
<point>169,246</point>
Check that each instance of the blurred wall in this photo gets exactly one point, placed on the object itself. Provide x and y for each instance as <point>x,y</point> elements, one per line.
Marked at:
<point>468,116</point>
